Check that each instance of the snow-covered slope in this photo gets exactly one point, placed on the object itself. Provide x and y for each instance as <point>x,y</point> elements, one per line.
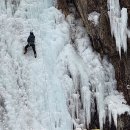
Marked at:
<point>57,89</point>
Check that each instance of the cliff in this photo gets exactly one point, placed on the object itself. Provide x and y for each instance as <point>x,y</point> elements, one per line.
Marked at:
<point>104,43</point>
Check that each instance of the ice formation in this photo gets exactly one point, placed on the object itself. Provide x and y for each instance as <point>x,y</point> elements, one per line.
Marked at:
<point>87,78</point>
<point>118,21</point>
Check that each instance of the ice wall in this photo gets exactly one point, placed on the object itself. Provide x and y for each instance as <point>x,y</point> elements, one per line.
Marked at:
<point>31,97</point>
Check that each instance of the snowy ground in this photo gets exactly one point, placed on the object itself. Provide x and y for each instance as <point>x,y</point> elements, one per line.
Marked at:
<point>47,93</point>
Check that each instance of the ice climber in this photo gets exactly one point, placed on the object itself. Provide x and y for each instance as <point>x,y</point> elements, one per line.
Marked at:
<point>31,43</point>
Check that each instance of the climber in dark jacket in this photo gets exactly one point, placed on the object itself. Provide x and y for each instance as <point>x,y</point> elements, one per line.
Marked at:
<point>31,43</point>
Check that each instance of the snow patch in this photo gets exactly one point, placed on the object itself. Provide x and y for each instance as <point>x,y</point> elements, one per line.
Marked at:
<point>94,17</point>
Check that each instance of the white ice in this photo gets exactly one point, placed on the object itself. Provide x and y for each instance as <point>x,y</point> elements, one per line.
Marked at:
<point>32,97</point>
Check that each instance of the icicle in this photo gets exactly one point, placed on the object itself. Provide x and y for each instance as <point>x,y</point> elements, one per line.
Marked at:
<point>76,100</point>
<point>109,115</point>
<point>124,19</point>
<point>86,98</point>
<point>118,22</point>
<point>128,33</point>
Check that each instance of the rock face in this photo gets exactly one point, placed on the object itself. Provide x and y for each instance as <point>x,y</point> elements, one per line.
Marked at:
<point>104,43</point>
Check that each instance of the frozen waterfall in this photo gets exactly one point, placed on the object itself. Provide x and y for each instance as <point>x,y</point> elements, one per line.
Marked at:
<point>59,90</point>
